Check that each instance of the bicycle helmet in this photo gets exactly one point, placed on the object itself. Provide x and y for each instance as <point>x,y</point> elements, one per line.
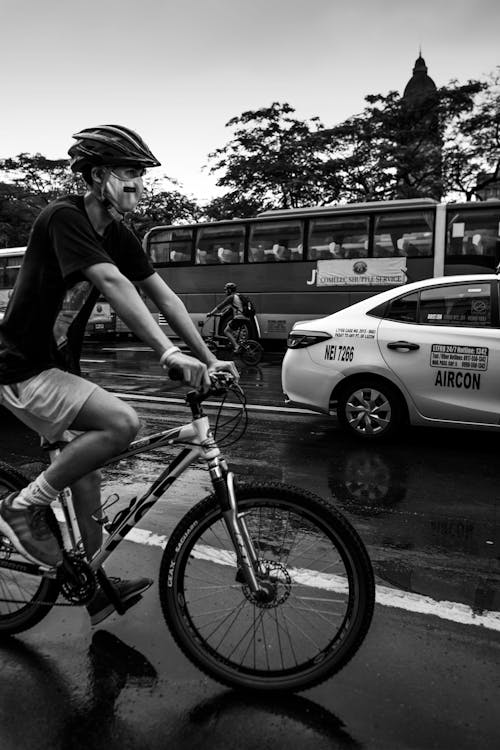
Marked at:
<point>108,146</point>
<point>230,287</point>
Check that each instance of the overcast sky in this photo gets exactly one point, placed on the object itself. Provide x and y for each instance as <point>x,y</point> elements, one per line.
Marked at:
<point>177,70</point>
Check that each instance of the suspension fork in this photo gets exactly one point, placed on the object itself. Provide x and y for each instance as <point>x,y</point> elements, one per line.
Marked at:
<point>223,482</point>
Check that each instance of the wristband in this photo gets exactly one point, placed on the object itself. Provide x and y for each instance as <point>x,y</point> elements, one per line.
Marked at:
<point>167,353</point>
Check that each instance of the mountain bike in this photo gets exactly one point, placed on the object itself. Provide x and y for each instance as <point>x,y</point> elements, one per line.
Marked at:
<point>249,350</point>
<point>263,586</point>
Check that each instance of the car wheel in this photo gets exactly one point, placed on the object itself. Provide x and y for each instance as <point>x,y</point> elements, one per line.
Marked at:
<point>369,409</point>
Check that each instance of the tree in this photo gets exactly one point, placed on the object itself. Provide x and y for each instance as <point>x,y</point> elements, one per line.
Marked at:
<point>392,150</point>
<point>231,205</point>
<point>471,152</point>
<point>15,218</point>
<point>159,206</point>
<point>39,180</point>
<point>274,161</point>
<point>31,182</point>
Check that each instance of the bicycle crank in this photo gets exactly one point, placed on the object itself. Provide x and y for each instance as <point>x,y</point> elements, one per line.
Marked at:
<point>77,579</point>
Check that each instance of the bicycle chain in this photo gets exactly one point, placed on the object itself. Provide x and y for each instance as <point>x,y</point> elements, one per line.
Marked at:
<point>83,591</point>
<point>75,595</point>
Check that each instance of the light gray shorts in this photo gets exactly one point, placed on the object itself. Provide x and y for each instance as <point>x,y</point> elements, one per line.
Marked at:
<point>49,402</point>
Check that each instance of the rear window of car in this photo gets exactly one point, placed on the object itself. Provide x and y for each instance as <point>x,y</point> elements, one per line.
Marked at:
<point>468,304</point>
<point>457,305</point>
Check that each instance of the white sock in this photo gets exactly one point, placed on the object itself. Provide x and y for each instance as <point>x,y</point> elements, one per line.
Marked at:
<point>39,492</point>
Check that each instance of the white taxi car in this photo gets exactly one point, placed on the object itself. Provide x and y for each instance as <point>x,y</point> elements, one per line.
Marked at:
<point>427,353</point>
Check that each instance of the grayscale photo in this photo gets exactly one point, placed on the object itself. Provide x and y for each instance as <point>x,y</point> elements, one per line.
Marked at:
<point>250,375</point>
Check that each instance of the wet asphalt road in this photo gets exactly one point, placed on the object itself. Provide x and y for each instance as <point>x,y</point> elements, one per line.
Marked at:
<point>427,675</point>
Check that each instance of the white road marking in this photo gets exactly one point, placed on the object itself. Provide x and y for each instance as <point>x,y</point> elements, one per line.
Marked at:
<point>385,596</point>
<point>126,349</point>
<point>250,407</point>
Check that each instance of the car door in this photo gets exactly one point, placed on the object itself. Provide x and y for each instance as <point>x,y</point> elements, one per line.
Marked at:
<point>443,344</point>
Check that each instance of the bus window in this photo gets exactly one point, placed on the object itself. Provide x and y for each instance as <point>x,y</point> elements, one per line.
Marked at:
<point>9,268</point>
<point>338,237</point>
<point>171,246</point>
<point>10,262</point>
<point>220,244</point>
<point>474,233</point>
<point>275,241</point>
<point>408,234</point>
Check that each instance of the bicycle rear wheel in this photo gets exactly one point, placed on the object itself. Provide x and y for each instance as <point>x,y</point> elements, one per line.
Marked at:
<point>313,561</point>
<point>251,352</point>
<point>26,597</point>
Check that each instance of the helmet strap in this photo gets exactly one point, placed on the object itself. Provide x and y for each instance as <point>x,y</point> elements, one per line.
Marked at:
<point>104,199</point>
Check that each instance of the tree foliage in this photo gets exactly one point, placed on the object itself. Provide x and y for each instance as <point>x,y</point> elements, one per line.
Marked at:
<point>471,149</point>
<point>160,206</point>
<point>445,145</point>
<point>394,149</point>
<point>274,161</point>
<point>30,183</point>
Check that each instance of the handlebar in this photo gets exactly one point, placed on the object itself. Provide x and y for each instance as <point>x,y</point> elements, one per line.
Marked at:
<point>220,381</point>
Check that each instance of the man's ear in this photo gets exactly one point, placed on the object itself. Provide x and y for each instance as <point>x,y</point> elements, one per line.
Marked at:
<point>97,174</point>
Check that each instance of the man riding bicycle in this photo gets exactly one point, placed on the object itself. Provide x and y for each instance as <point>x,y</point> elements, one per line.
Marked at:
<point>79,247</point>
<point>234,304</point>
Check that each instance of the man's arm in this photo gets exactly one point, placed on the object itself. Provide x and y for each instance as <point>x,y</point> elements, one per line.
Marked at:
<point>128,305</point>
<point>174,310</point>
<point>225,303</point>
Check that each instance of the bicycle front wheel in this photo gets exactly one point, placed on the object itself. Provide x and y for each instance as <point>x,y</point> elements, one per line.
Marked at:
<point>311,560</point>
<point>26,597</point>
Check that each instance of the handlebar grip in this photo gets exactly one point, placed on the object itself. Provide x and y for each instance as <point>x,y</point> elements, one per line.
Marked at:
<point>175,373</point>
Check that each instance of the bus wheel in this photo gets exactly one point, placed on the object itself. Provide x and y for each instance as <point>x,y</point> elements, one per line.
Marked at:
<point>370,409</point>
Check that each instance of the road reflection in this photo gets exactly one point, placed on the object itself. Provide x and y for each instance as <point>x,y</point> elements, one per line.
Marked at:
<point>438,527</point>
<point>250,721</point>
<point>41,708</point>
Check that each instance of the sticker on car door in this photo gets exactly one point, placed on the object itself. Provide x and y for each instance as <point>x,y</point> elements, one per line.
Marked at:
<point>450,356</point>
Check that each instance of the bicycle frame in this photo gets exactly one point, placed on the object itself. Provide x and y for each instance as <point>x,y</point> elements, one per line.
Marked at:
<point>199,436</point>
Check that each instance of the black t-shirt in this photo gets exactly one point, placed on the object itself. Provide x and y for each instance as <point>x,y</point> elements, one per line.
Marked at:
<point>52,300</point>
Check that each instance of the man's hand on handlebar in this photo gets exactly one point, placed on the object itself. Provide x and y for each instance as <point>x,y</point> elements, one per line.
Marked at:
<point>221,365</point>
<point>194,372</point>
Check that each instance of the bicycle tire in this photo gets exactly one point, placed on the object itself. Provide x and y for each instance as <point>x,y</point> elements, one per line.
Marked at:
<point>251,352</point>
<point>24,599</point>
<point>199,591</point>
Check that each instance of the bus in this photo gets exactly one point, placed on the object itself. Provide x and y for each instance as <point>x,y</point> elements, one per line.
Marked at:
<point>103,320</point>
<point>306,263</point>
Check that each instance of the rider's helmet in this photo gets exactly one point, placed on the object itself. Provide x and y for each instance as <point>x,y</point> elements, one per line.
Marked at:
<point>230,288</point>
<point>123,155</point>
<point>109,146</point>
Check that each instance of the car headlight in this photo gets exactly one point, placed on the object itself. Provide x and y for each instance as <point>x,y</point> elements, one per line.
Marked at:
<point>303,339</point>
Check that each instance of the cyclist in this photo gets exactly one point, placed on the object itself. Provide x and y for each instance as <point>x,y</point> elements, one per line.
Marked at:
<point>234,304</point>
<point>79,247</point>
